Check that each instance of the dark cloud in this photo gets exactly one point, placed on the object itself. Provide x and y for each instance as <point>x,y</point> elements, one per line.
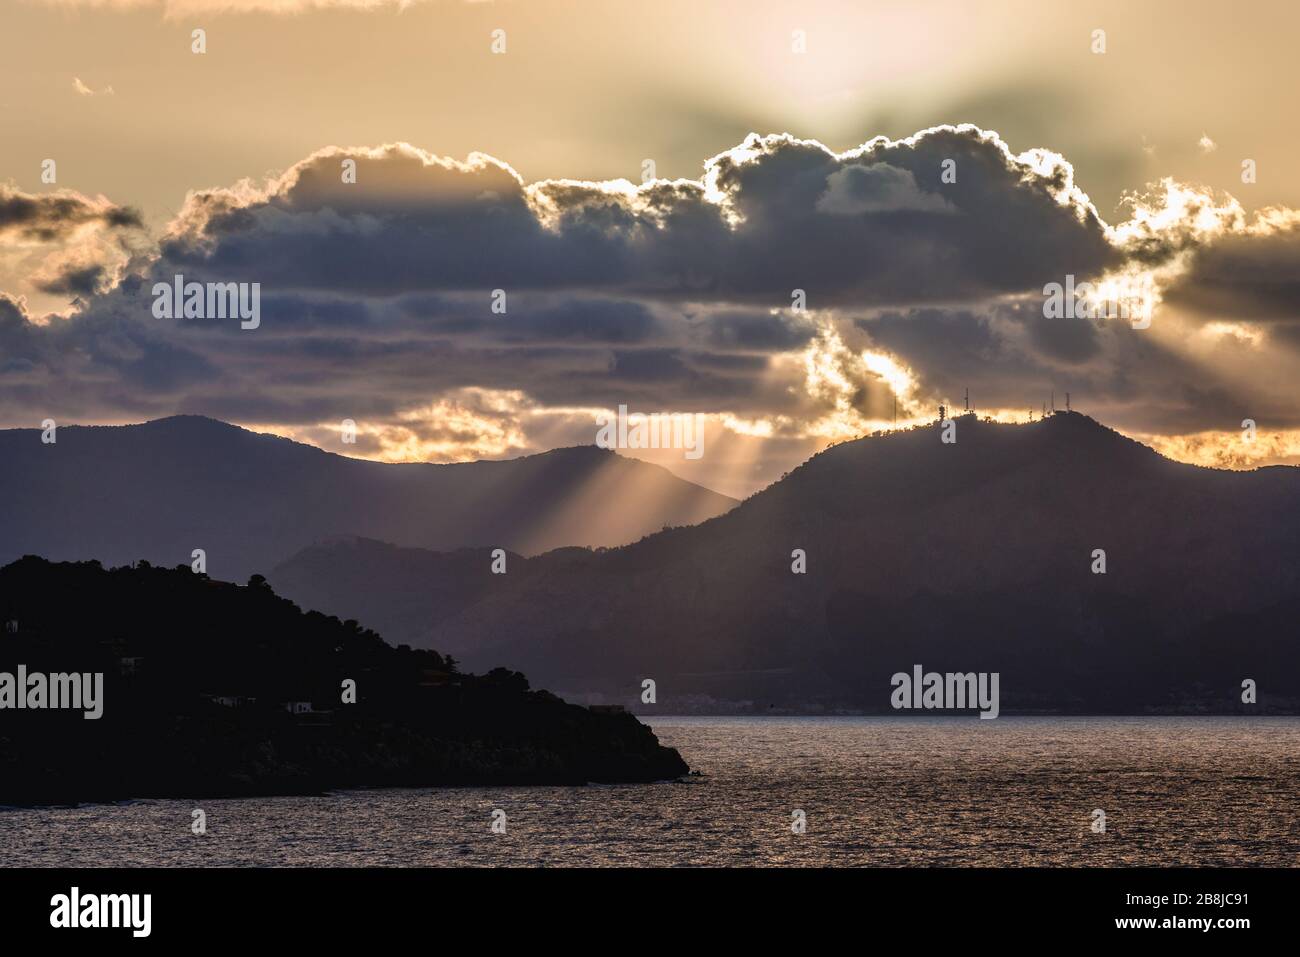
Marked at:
<point>77,280</point>
<point>1010,357</point>
<point>775,214</point>
<point>19,340</point>
<point>878,188</point>
<point>1252,276</point>
<point>1006,226</point>
<point>760,331</point>
<point>49,217</point>
<point>650,365</point>
<point>1067,340</point>
<point>943,341</point>
<point>376,295</point>
<point>589,320</point>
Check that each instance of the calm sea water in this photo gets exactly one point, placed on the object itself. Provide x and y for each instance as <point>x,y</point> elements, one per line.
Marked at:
<point>875,791</point>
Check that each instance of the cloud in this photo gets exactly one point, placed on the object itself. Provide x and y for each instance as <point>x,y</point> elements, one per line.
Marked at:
<point>84,90</point>
<point>19,340</point>
<point>76,280</point>
<point>1209,449</point>
<point>1011,357</point>
<point>53,216</point>
<point>63,243</point>
<point>753,228</point>
<point>672,295</point>
<point>1251,272</point>
<point>770,331</point>
<point>485,423</point>
<point>880,188</point>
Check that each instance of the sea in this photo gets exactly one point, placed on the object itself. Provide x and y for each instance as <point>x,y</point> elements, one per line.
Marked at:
<point>772,791</point>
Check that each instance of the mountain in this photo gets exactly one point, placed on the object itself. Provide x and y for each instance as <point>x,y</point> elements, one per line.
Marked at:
<point>194,678</point>
<point>397,591</point>
<point>972,556</point>
<point>158,491</point>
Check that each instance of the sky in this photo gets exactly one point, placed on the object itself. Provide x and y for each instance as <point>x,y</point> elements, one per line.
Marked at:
<point>801,221</point>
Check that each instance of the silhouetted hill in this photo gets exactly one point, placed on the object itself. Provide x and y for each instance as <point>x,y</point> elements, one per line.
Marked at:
<point>975,556</point>
<point>197,674</point>
<point>160,490</point>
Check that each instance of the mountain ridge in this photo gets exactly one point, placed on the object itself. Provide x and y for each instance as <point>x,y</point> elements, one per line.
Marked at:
<point>910,544</point>
<point>161,489</point>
